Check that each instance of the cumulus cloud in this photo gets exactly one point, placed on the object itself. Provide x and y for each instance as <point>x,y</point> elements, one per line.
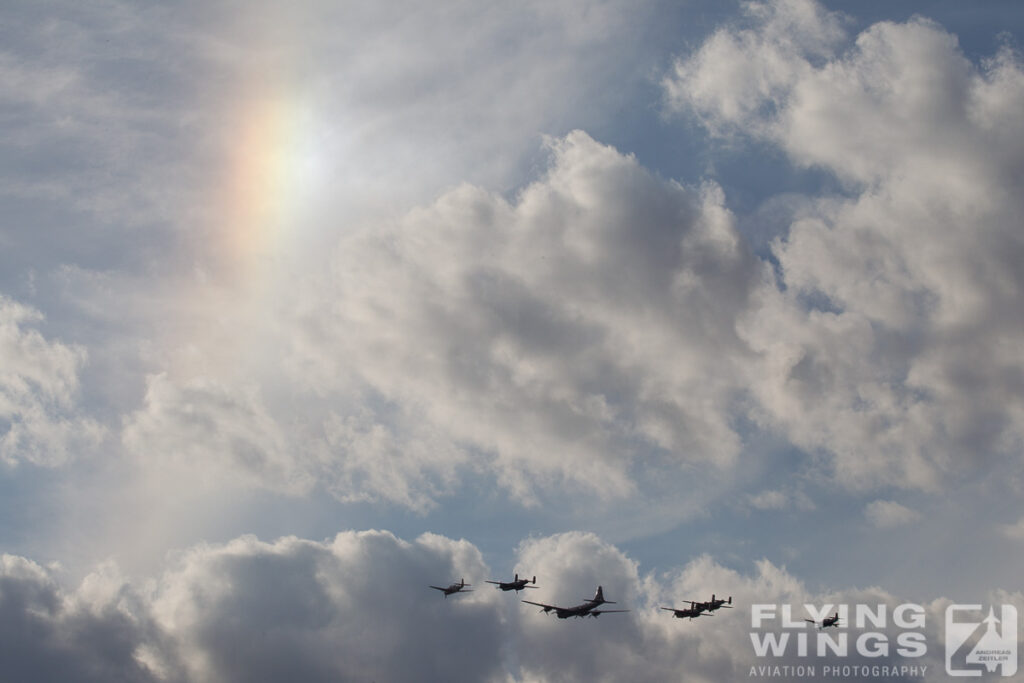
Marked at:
<point>358,607</point>
<point>603,326</point>
<point>355,608</point>
<point>892,341</point>
<point>562,335</point>
<point>92,634</point>
<point>615,318</point>
<point>39,386</point>
<point>739,74</point>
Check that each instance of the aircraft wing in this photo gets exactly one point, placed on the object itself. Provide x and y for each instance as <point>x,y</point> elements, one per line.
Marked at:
<point>541,604</point>
<point>439,588</point>
<point>595,612</point>
<point>489,581</point>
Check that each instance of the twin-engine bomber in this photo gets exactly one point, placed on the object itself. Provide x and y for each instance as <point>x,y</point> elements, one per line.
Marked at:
<point>700,609</point>
<point>515,584</point>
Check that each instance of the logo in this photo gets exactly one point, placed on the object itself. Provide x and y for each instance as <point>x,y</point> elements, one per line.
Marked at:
<point>838,641</point>
<point>977,643</point>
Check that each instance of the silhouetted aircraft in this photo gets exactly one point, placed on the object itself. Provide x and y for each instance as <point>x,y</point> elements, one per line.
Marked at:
<point>459,587</point>
<point>712,604</point>
<point>515,584</point>
<point>829,621</point>
<point>695,610</point>
<point>587,609</point>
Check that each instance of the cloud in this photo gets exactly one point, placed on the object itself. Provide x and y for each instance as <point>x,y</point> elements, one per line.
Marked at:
<point>127,124</point>
<point>39,385</point>
<point>1014,531</point>
<point>355,608</point>
<point>888,344</point>
<point>612,317</point>
<point>775,499</point>
<point>389,457</point>
<point>560,336</point>
<point>886,514</point>
<point>358,607</point>
<point>738,76</point>
<point>213,433</point>
<point>51,635</point>
<point>601,329</point>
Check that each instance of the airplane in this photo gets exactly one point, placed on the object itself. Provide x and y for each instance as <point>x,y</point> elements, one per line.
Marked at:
<point>586,609</point>
<point>454,588</point>
<point>829,621</point>
<point>696,609</point>
<point>515,584</point>
<point>712,604</point>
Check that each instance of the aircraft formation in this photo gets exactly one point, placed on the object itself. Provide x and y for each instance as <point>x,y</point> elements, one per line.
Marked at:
<point>591,607</point>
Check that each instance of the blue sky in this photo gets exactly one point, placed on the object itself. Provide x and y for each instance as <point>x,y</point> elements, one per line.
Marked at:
<point>304,309</point>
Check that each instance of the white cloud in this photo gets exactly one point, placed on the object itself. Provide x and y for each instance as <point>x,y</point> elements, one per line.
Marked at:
<point>359,607</point>
<point>886,514</point>
<point>740,75</point>
<point>366,458</point>
<point>891,346</point>
<point>212,433</point>
<point>604,324</point>
<point>562,335</point>
<point>39,386</point>
<point>134,119</point>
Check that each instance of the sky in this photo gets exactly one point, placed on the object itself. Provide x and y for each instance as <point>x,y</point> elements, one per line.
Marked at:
<point>305,307</point>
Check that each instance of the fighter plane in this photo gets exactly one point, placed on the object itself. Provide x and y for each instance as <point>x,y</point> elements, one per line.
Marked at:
<point>586,609</point>
<point>695,610</point>
<point>459,587</point>
<point>515,584</point>
<point>829,621</point>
